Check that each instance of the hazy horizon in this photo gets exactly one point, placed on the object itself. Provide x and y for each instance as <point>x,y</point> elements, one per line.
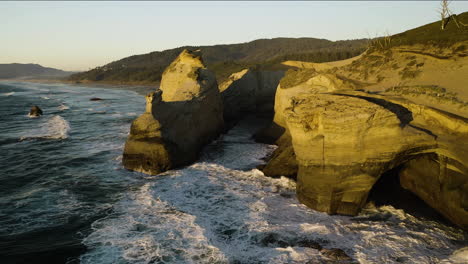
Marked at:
<point>78,36</point>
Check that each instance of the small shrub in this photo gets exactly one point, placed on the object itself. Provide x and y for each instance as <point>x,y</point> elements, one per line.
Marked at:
<point>406,73</point>
<point>294,77</point>
<point>460,48</point>
<point>411,63</point>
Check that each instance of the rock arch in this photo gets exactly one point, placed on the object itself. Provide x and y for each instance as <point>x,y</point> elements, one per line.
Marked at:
<point>344,142</point>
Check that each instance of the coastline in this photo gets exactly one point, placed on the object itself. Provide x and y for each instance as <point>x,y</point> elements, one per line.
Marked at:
<point>141,89</point>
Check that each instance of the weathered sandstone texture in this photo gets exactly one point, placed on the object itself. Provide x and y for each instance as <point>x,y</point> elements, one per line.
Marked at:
<point>180,118</point>
<point>344,140</point>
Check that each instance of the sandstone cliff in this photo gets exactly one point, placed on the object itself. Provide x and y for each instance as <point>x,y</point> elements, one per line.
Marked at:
<point>343,139</point>
<point>188,100</point>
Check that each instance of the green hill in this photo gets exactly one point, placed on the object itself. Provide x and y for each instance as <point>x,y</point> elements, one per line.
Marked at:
<point>225,59</point>
<point>430,34</point>
<point>18,70</point>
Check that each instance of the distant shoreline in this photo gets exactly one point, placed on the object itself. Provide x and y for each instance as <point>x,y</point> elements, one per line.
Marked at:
<point>141,89</point>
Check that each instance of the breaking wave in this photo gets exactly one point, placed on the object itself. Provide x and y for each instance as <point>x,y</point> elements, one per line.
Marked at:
<point>219,211</point>
<point>55,127</point>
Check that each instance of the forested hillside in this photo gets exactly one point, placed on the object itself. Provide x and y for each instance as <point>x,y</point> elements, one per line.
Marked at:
<point>225,59</point>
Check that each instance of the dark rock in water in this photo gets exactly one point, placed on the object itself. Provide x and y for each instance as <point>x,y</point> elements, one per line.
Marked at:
<point>335,254</point>
<point>283,160</point>
<point>35,111</point>
<point>95,99</point>
<point>308,243</point>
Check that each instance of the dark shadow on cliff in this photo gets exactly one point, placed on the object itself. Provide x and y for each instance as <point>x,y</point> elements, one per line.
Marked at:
<point>404,114</point>
<point>388,191</point>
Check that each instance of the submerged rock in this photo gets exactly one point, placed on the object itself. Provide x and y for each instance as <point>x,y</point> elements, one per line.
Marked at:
<point>35,111</point>
<point>180,118</point>
<point>335,254</point>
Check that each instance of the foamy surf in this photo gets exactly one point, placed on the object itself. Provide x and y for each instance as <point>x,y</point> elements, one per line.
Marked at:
<point>460,256</point>
<point>216,211</point>
<point>63,107</point>
<point>55,127</point>
<point>7,94</point>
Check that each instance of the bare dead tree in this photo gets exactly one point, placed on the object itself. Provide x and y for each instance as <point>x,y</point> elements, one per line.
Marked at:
<point>444,13</point>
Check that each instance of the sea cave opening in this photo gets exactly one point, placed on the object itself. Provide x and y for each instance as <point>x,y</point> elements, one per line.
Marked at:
<point>388,191</point>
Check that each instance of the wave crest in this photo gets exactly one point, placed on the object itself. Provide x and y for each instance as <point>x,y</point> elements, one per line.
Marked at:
<point>55,128</point>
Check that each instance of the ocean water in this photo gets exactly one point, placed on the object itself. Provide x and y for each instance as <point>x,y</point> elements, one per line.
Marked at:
<point>64,197</point>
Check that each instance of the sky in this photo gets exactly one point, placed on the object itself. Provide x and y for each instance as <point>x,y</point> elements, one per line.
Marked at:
<point>80,35</point>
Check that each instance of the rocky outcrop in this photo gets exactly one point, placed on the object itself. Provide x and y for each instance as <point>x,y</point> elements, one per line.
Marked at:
<point>344,140</point>
<point>180,118</point>
<point>35,111</point>
<point>239,93</point>
<point>249,92</point>
<point>283,160</point>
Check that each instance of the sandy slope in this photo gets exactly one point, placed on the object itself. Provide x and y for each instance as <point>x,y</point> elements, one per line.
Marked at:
<point>320,66</point>
<point>425,75</point>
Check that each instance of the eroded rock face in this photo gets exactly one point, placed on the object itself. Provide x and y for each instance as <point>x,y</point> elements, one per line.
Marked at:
<point>239,93</point>
<point>343,144</point>
<point>249,92</point>
<point>344,140</point>
<point>184,115</point>
<point>314,83</point>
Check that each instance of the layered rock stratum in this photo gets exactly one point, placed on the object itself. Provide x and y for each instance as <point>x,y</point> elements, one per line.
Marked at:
<point>344,134</point>
<point>181,117</point>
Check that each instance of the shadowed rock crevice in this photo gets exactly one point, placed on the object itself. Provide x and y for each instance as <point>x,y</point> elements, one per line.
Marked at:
<point>389,191</point>
<point>404,114</point>
<point>249,92</point>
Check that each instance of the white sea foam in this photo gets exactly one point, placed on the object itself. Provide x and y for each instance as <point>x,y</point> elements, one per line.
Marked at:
<point>216,211</point>
<point>460,256</point>
<point>63,107</point>
<point>7,94</point>
<point>55,127</point>
<point>45,97</point>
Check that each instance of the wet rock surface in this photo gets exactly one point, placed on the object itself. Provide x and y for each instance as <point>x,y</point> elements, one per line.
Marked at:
<point>35,111</point>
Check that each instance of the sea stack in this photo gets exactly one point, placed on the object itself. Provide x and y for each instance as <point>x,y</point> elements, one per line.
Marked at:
<point>35,111</point>
<point>181,117</point>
